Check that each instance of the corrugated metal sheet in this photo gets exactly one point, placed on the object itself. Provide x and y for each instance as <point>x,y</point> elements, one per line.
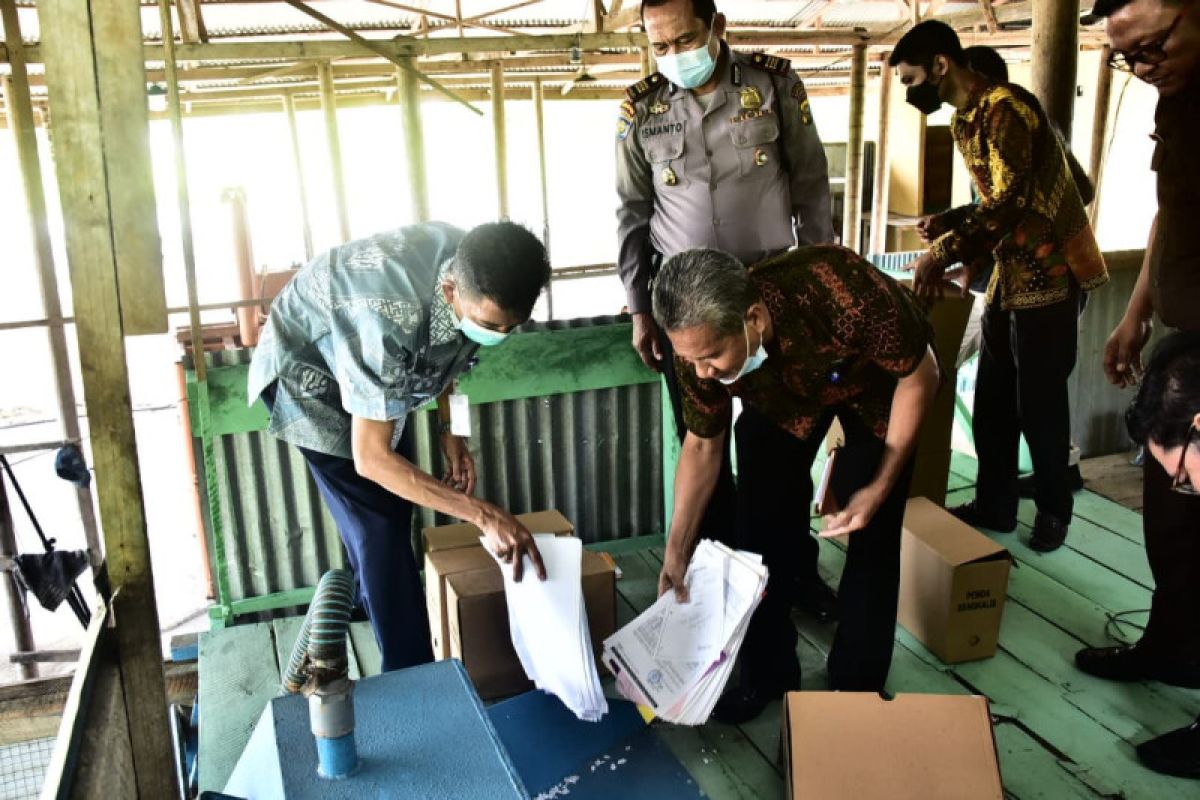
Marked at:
<point>595,455</point>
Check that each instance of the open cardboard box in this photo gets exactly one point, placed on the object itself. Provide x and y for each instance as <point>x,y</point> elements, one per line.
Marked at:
<point>477,616</point>
<point>953,584</point>
<point>464,534</point>
<point>455,548</point>
<point>860,746</point>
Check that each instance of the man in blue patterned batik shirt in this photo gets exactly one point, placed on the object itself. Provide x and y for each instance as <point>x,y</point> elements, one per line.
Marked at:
<point>365,335</point>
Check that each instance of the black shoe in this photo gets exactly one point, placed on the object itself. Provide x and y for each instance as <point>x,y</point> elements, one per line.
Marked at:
<point>1135,663</point>
<point>1027,488</point>
<point>976,517</point>
<point>743,703</point>
<point>1048,534</point>
<point>813,597</point>
<point>1176,753</point>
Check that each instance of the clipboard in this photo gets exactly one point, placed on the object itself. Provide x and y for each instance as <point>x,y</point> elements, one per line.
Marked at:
<point>825,502</point>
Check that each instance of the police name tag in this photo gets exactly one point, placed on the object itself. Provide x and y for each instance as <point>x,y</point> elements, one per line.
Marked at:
<point>460,415</point>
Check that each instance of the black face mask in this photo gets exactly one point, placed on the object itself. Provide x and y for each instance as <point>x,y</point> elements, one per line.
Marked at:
<point>924,96</point>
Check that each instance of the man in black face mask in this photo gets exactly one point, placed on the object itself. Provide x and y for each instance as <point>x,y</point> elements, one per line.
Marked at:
<point>1031,221</point>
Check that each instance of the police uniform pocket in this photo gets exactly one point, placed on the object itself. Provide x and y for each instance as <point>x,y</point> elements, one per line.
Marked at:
<point>756,143</point>
<point>662,149</point>
<point>665,154</point>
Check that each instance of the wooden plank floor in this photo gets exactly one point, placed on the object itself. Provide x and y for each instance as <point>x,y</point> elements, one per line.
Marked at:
<point>1060,733</point>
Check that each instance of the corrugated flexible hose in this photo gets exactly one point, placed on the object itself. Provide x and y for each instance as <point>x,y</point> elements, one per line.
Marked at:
<point>321,646</point>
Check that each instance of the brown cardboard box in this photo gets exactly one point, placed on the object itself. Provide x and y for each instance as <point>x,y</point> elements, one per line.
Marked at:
<point>438,566</point>
<point>953,584</point>
<point>932,470</point>
<point>914,747</point>
<point>478,622</point>
<point>444,546</point>
<point>464,534</point>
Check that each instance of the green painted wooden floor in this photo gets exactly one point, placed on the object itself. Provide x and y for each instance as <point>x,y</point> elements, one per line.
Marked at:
<point>1060,733</point>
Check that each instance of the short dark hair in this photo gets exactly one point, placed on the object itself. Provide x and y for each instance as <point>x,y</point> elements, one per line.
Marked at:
<point>1169,398</point>
<point>988,62</point>
<point>703,287</point>
<point>704,10</point>
<point>926,41</point>
<point>1106,8</point>
<point>503,262</point>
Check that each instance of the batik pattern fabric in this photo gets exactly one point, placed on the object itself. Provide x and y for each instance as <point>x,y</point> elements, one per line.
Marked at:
<point>844,334</point>
<point>1030,217</point>
<point>363,330</point>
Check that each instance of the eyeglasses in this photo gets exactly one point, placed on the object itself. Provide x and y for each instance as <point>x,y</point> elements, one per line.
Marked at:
<point>1182,482</point>
<point>1152,54</point>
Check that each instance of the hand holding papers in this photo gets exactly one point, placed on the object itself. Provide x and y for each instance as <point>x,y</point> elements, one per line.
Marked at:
<point>675,658</point>
<point>549,628</point>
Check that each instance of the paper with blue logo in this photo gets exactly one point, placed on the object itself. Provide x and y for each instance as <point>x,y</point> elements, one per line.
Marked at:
<point>675,658</point>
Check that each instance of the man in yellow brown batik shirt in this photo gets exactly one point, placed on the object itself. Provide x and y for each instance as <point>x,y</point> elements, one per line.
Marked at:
<point>1031,219</point>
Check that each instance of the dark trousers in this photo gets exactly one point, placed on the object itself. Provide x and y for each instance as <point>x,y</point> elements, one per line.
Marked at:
<point>775,494</point>
<point>1172,525</point>
<point>1024,363</point>
<point>720,520</point>
<point>376,529</point>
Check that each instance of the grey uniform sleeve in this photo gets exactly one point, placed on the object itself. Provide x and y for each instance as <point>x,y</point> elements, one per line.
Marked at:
<point>808,171</point>
<point>635,192</point>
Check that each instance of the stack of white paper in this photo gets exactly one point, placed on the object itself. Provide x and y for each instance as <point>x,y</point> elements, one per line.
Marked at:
<point>676,658</point>
<point>549,627</point>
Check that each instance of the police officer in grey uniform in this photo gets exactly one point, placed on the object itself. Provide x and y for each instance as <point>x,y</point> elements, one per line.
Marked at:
<point>717,149</point>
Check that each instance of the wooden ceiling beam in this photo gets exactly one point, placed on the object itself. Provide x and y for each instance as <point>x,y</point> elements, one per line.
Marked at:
<point>191,21</point>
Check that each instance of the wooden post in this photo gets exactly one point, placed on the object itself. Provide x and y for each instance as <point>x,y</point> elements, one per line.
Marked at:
<point>883,170</point>
<point>247,316</point>
<point>852,212</point>
<point>289,104</point>
<point>1100,131</point>
<point>539,113</point>
<point>1055,57</point>
<point>18,610</point>
<point>414,142</point>
<point>501,134</point>
<point>97,98</point>
<point>329,106</point>
<point>19,108</point>
<point>647,61</point>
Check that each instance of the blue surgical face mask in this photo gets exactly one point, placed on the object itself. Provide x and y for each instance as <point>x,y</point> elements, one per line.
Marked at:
<point>753,361</point>
<point>690,69</point>
<point>479,334</point>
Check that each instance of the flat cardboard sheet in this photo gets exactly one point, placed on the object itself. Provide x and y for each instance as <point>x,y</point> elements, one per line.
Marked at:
<point>859,746</point>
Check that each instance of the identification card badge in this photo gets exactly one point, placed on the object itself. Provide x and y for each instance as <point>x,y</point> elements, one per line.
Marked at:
<point>460,415</point>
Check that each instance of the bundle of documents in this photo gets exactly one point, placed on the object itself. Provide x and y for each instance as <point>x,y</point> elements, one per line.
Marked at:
<point>549,627</point>
<point>676,658</point>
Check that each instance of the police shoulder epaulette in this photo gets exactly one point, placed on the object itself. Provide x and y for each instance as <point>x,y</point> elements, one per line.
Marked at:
<point>645,86</point>
<point>772,64</point>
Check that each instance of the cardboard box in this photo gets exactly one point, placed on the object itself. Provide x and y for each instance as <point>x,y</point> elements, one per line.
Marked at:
<point>953,584</point>
<point>455,548</point>
<point>477,613</point>
<point>913,747</point>
<point>464,534</point>
<point>438,566</point>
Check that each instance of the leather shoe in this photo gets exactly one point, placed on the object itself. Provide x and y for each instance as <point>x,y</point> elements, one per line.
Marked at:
<point>1135,663</point>
<point>975,516</point>
<point>743,703</point>
<point>1176,753</point>
<point>1048,534</point>
<point>813,597</point>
